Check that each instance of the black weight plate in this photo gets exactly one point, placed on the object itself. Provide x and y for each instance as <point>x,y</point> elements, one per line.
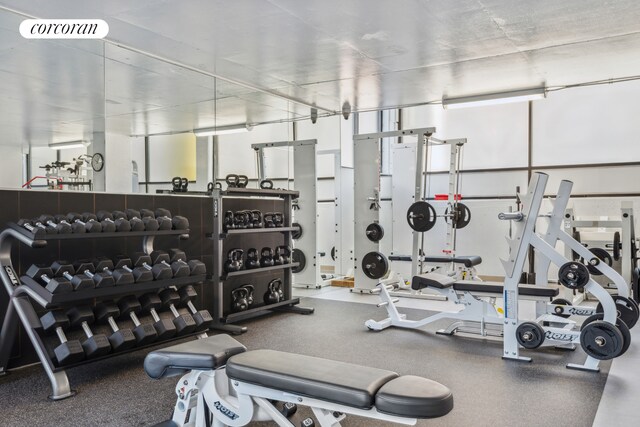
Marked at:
<point>421,216</point>
<point>530,335</point>
<point>624,329</point>
<point>601,340</point>
<point>561,301</point>
<point>573,275</point>
<point>602,255</point>
<point>627,310</point>
<point>375,265</point>
<point>298,256</point>
<point>462,216</point>
<point>374,232</point>
<point>616,246</point>
<point>296,234</point>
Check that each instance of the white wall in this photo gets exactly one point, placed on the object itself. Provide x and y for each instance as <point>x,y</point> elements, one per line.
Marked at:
<point>11,166</point>
<point>117,164</point>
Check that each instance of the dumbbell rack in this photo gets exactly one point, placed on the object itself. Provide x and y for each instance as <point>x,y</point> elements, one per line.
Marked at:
<point>27,297</point>
<point>250,198</point>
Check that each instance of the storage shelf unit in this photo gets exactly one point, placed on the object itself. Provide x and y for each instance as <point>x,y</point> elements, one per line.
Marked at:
<point>266,200</point>
<point>28,298</point>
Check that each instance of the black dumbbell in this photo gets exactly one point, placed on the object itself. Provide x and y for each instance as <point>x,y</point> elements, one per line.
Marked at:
<point>95,345</point>
<point>202,318</point>
<point>120,275</point>
<point>144,333</point>
<point>92,226</point>
<point>45,227</point>
<point>100,279</point>
<point>75,226</point>
<point>78,281</point>
<point>159,271</point>
<point>61,227</point>
<point>135,223</point>
<point>55,285</point>
<point>37,232</point>
<point>184,322</point>
<point>118,224</point>
<point>150,223</point>
<point>140,274</point>
<point>177,222</point>
<point>165,328</point>
<point>179,269</point>
<point>164,223</point>
<point>68,351</point>
<point>149,220</point>
<point>106,226</point>
<point>196,267</point>
<point>120,339</point>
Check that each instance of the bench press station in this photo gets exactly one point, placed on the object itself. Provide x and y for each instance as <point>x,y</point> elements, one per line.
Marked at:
<point>223,384</point>
<point>603,336</point>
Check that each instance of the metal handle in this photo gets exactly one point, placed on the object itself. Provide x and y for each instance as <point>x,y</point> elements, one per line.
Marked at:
<point>511,216</point>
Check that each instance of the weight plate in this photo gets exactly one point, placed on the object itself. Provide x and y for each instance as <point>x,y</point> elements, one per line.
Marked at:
<point>627,310</point>
<point>616,246</point>
<point>530,335</point>
<point>374,232</point>
<point>375,265</point>
<point>557,310</point>
<point>601,340</point>
<point>624,329</point>
<point>573,275</point>
<point>298,256</point>
<point>421,216</point>
<point>461,215</point>
<point>296,234</point>
<point>602,255</point>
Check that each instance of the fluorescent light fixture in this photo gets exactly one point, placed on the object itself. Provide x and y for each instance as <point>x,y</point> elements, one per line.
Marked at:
<point>222,130</point>
<point>68,144</point>
<point>495,98</point>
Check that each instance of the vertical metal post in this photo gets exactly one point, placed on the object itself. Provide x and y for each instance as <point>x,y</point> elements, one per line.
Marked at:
<point>421,162</point>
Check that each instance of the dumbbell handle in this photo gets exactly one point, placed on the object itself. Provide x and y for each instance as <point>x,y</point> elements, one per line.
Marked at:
<point>29,227</point>
<point>113,324</point>
<point>61,335</point>
<point>173,310</point>
<point>88,273</point>
<point>191,307</point>
<point>46,279</point>
<point>511,216</point>
<point>154,314</point>
<point>134,318</point>
<point>87,330</point>
<point>127,268</point>
<point>147,266</point>
<point>67,275</point>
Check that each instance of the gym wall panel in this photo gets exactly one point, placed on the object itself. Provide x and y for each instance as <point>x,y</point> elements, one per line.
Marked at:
<point>596,124</point>
<point>346,142</point>
<point>601,180</point>
<point>497,135</point>
<point>137,155</point>
<point>118,169</point>
<point>11,166</point>
<point>171,155</point>
<point>326,130</point>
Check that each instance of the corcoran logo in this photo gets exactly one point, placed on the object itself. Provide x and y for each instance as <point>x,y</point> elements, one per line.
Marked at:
<point>550,335</point>
<point>64,29</point>
<point>226,411</point>
<point>11,274</point>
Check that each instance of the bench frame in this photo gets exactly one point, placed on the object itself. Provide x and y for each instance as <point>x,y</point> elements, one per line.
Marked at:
<point>237,403</point>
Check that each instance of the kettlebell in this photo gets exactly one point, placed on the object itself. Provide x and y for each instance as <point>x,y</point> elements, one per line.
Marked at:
<point>250,290</point>
<point>277,286</point>
<point>234,260</point>
<point>248,218</point>
<point>252,259</point>
<point>271,296</point>
<point>278,219</point>
<point>229,223</point>
<point>268,220</point>
<point>266,257</point>
<point>239,299</point>
<point>256,218</point>
<point>284,253</point>
<point>277,256</point>
<point>240,219</point>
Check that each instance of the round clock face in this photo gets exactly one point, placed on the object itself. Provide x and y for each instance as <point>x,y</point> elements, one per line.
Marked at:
<point>97,162</point>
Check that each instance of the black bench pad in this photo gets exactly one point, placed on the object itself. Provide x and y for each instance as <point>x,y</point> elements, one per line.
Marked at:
<point>323,379</point>
<point>203,354</point>
<point>414,397</point>
<point>498,288</point>
<point>431,280</point>
<point>468,261</point>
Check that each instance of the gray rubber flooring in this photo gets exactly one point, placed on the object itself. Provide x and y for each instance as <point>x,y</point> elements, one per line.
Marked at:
<point>487,390</point>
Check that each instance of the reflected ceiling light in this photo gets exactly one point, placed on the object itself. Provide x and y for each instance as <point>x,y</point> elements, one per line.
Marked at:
<point>495,98</point>
<point>68,144</point>
<point>223,130</point>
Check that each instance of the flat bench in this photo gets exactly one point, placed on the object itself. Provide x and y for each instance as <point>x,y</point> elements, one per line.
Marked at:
<point>337,382</point>
<point>441,281</point>
<point>467,261</point>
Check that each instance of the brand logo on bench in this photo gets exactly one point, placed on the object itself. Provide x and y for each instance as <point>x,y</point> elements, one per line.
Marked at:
<point>12,275</point>
<point>558,336</point>
<point>225,411</point>
<point>580,311</point>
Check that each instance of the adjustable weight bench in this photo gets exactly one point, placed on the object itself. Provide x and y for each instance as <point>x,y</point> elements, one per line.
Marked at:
<point>223,384</point>
<point>439,281</point>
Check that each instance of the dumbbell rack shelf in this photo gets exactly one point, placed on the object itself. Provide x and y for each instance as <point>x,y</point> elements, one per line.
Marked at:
<point>258,270</point>
<point>265,200</point>
<point>26,295</point>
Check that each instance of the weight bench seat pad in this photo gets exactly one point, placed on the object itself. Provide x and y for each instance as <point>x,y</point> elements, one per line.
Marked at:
<point>337,382</point>
<point>414,397</point>
<point>201,354</point>
<point>432,280</point>
<point>468,261</point>
<point>498,288</point>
